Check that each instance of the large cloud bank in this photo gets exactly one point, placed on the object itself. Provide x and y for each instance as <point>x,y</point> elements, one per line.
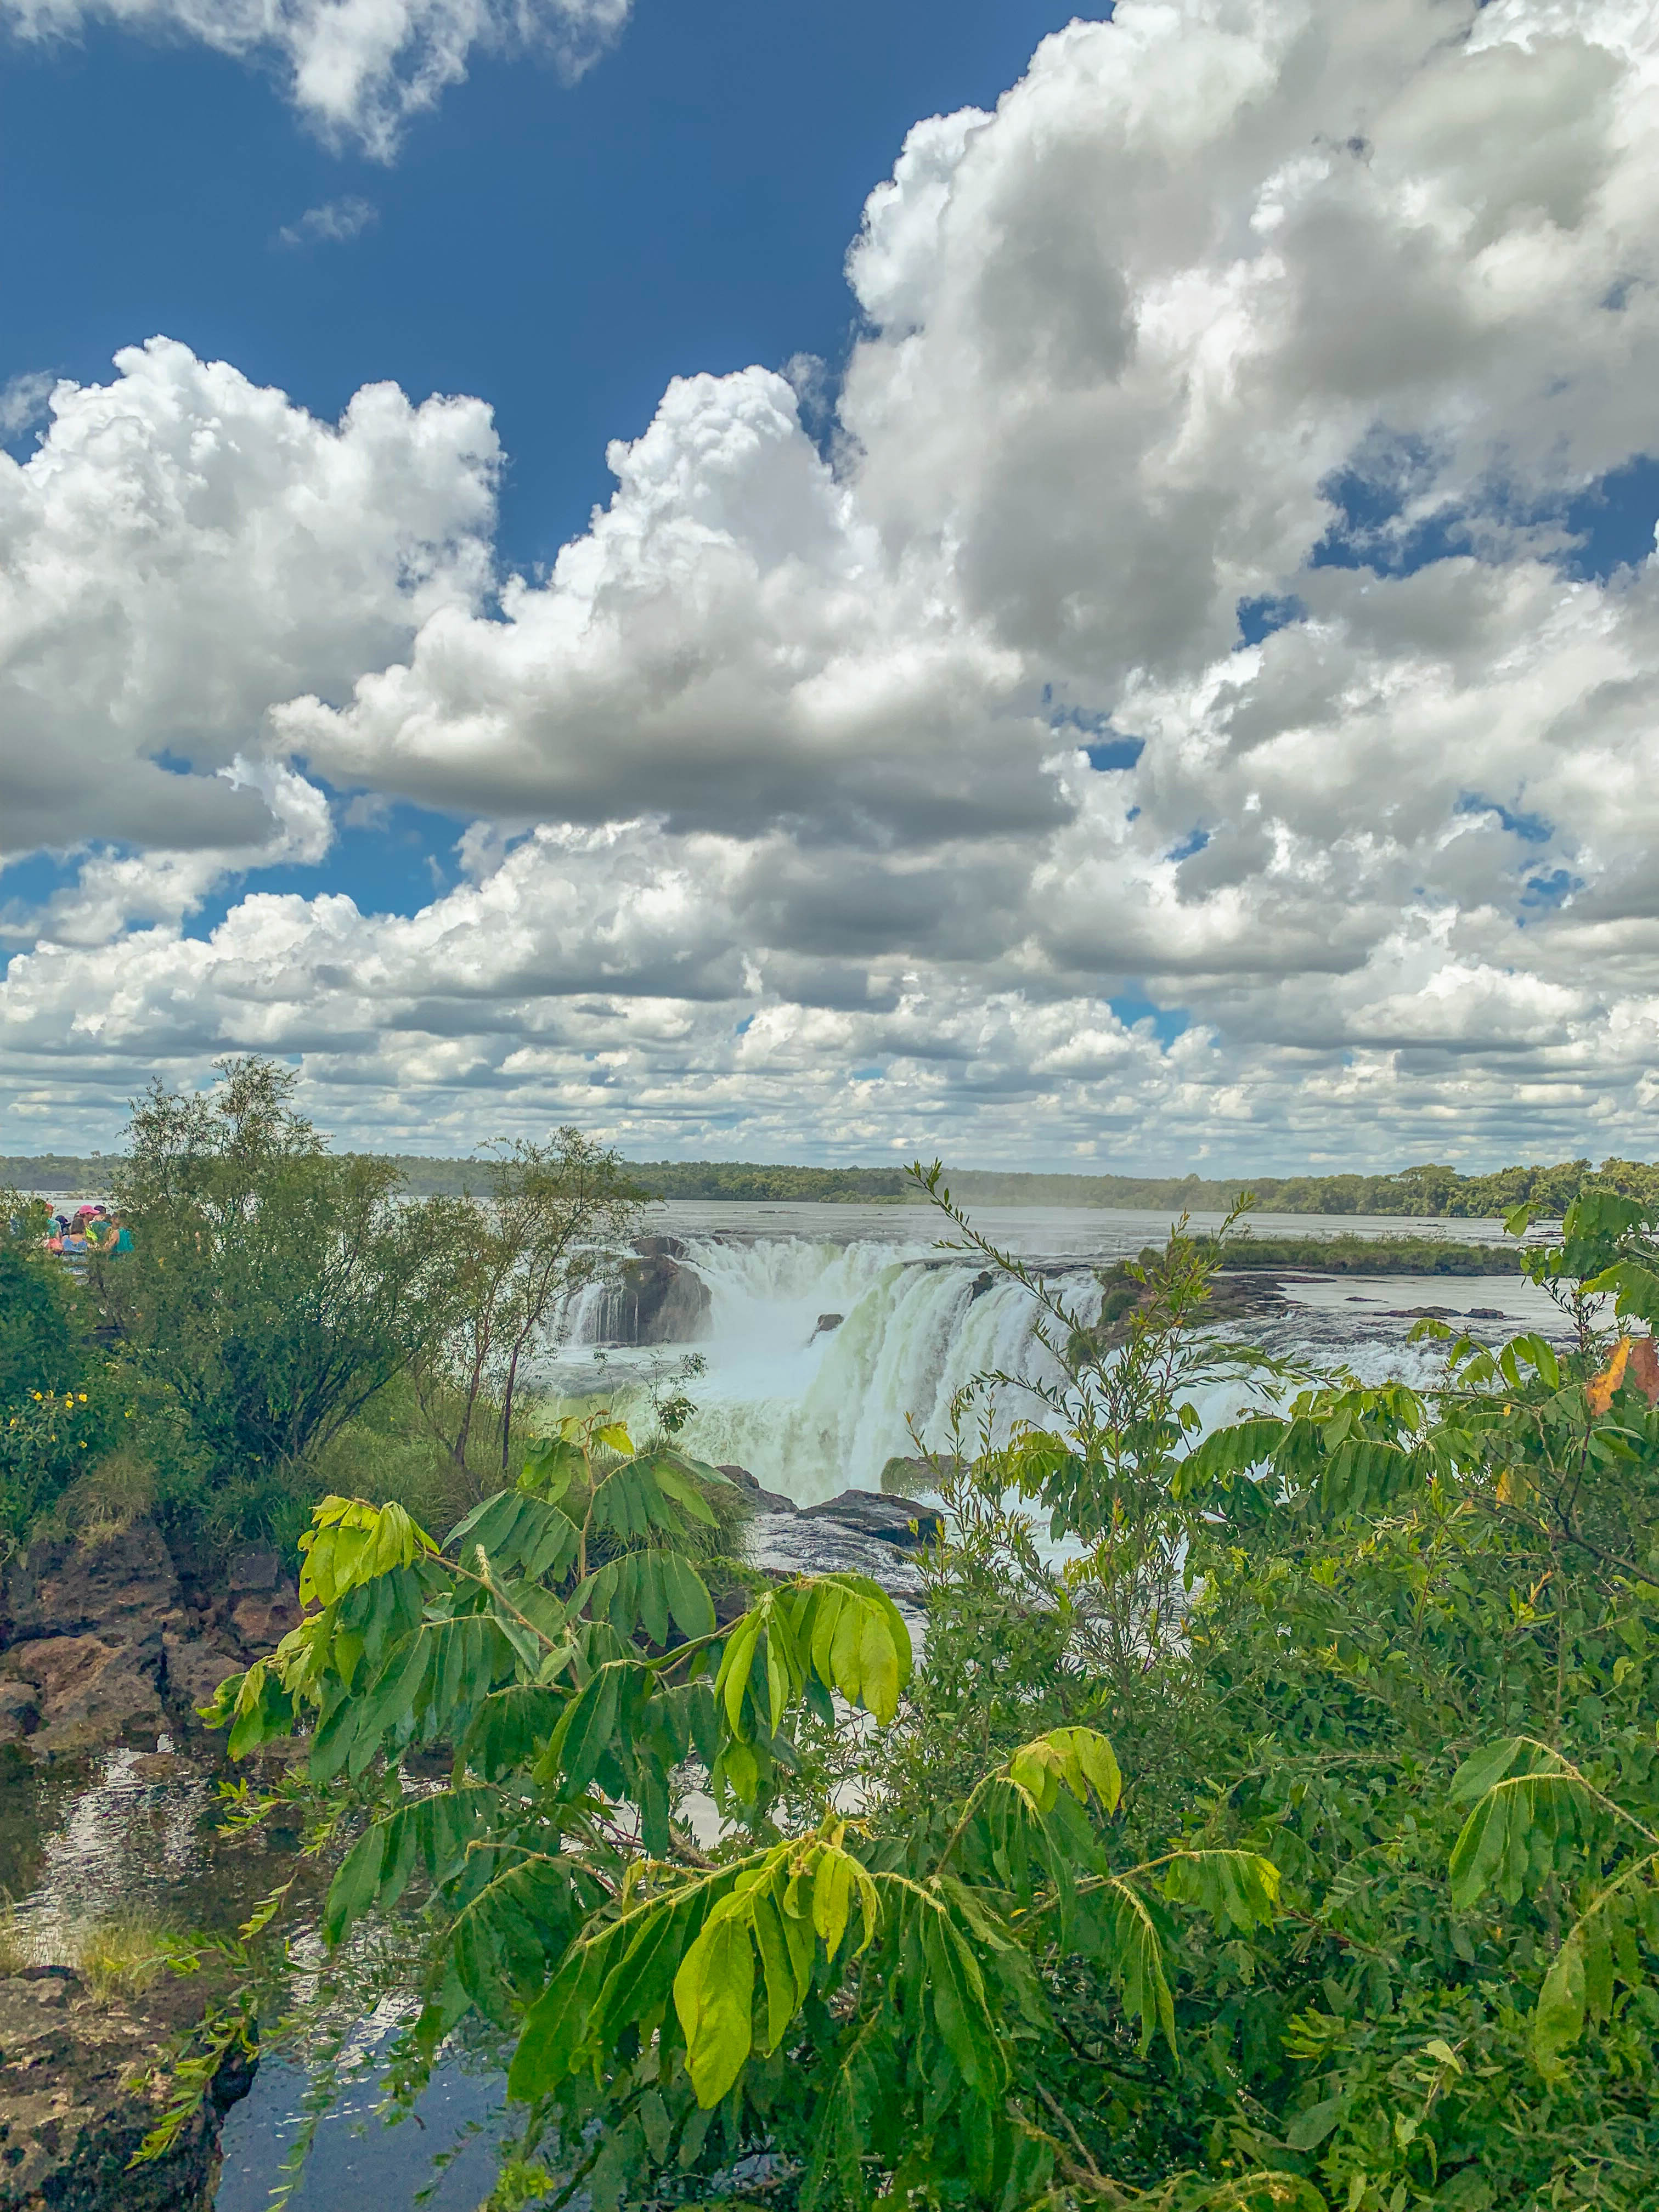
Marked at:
<point>1186,603</point>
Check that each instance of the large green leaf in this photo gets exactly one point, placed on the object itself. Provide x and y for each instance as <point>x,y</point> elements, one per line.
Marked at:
<point>961,2013</point>
<point>433,1833</point>
<point>520,1535</point>
<point>714,1998</point>
<point>1495,1844</point>
<point>1558,2018</point>
<point>646,1589</point>
<point>1238,1889</point>
<point>350,1541</point>
<point>1079,1758</point>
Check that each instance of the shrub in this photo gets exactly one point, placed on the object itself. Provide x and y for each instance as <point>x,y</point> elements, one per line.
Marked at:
<point>1282,1831</point>
<point>274,1287</point>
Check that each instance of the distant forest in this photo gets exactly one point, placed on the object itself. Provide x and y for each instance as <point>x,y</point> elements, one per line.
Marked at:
<point>1427,1192</point>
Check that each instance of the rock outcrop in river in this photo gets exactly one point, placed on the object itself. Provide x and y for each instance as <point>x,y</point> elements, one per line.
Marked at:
<point>658,1299</point>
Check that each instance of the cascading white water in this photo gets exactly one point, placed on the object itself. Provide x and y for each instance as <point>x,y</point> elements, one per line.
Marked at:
<point>810,1411</point>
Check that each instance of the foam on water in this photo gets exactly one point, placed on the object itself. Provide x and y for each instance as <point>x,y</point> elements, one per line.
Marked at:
<point>810,1410</point>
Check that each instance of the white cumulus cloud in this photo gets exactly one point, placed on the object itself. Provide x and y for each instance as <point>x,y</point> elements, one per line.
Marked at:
<point>181,551</point>
<point>873,756</point>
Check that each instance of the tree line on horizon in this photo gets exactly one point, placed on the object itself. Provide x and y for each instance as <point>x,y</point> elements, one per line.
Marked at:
<point>1430,1191</point>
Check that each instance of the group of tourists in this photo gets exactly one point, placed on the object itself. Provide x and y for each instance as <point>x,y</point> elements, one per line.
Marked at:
<point>88,1229</point>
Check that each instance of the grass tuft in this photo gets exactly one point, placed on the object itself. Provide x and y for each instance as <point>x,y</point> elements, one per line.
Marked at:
<point>121,1952</point>
<point>16,1950</point>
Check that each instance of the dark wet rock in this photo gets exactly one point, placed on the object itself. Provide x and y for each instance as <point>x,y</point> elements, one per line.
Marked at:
<point>901,1475</point>
<point>103,1644</point>
<point>889,1519</point>
<point>255,1567</point>
<point>764,1501</point>
<point>656,1300</point>
<point>981,1283</point>
<point>1232,1298</point>
<point>195,1666</point>
<point>660,1248</point>
<point>828,1322</point>
<point>808,1544</point>
<point>116,1581</point>
<point>89,1691</point>
<point>262,1619</point>
<point>19,1709</point>
<point>78,2095</point>
<point>84,1634</point>
<point>1486,1313</point>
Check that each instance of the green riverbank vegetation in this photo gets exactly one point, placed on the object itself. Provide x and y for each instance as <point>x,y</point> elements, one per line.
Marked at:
<point>287,1322</point>
<point>1350,1255</point>
<point>1283,1832</point>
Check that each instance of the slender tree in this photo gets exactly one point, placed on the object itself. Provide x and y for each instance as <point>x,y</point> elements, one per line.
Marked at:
<point>550,1219</point>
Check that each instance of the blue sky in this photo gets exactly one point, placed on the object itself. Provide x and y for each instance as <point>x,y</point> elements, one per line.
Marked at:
<point>560,250</point>
<point>1176,688</point>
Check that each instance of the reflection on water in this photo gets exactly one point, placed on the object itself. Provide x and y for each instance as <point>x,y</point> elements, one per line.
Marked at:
<point>356,2161</point>
<point>131,1831</point>
<point>138,1832</point>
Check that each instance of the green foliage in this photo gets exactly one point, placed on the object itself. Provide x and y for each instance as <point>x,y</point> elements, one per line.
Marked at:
<point>58,1405</point>
<point>46,1324</point>
<point>548,1220</point>
<point>1290,1840</point>
<point>1350,1255</point>
<point>1428,1190</point>
<point>735,1179</point>
<point>842,1997</point>
<point>48,1438</point>
<point>274,1287</point>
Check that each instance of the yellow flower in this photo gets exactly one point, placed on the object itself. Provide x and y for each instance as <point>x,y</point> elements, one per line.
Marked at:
<point>83,1397</point>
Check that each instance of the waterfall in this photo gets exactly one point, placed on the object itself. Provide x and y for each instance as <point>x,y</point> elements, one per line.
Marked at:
<point>811,1410</point>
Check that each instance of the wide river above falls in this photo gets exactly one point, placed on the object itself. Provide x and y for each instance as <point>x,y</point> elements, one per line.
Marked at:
<point>832,1333</point>
<point>831,1336</point>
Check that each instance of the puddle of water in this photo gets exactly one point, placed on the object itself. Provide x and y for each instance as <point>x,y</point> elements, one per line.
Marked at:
<point>135,1832</point>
